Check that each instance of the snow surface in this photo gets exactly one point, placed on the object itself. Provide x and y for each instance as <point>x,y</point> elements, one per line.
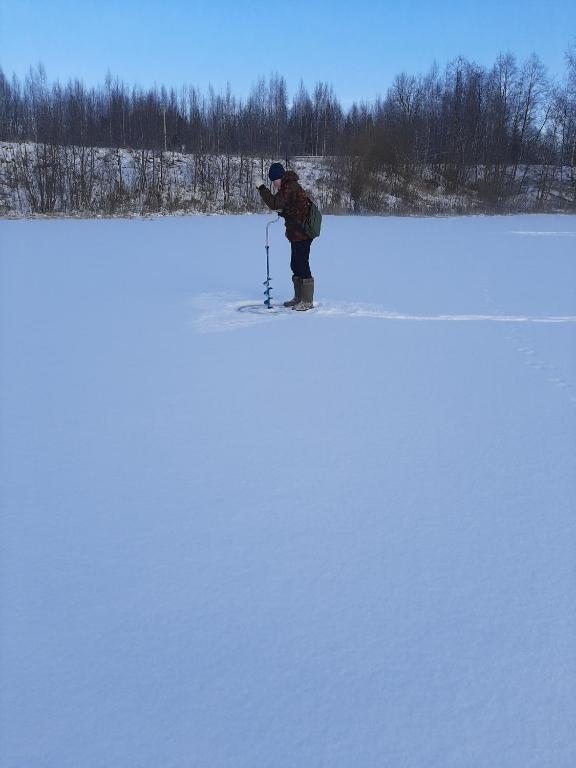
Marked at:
<point>234,537</point>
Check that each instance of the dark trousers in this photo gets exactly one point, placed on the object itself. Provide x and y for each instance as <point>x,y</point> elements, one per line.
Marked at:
<point>299,262</point>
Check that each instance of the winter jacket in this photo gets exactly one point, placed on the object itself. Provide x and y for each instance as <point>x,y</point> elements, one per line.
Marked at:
<point>291,202</point>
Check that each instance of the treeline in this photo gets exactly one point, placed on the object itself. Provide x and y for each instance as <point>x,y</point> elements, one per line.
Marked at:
<point>470,128</point>
<point>116,116</point>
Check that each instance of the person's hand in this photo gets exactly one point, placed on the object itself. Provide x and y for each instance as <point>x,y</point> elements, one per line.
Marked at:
<point>259,181</point>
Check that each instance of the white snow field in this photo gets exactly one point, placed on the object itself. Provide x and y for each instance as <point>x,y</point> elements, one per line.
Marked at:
<point>241,538</point>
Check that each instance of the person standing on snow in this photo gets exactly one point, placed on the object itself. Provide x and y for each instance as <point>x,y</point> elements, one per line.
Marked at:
<point>291,202</point>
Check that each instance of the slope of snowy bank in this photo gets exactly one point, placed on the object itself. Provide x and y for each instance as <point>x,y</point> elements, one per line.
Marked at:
<point>39,179</point>
<point>235,538</point>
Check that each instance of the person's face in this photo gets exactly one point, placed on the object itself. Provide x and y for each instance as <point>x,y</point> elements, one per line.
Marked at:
<point>277,183</point>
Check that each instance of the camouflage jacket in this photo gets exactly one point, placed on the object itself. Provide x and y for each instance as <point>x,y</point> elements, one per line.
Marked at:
<point>291,202</point>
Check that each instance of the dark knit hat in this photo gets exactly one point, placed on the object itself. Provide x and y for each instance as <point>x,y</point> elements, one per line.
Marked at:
<point>276,171</point>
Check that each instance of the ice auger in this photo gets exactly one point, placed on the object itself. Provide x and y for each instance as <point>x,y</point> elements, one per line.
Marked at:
<point>267,282</point>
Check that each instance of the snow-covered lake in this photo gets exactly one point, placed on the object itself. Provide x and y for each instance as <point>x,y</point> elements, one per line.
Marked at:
<point>240,538</point>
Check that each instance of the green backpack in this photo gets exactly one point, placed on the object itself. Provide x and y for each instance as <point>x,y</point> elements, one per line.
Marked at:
<point>313,223</point>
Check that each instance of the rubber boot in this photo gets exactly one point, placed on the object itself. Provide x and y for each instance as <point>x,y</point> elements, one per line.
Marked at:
<point>307,295</point>
<point>297,292</point>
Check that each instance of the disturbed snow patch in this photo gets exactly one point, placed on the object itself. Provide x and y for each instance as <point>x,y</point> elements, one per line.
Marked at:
<point>214,313</point>
<point>543,234</point>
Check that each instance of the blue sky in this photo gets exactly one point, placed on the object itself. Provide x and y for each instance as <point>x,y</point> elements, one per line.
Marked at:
<point>356,46</point>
